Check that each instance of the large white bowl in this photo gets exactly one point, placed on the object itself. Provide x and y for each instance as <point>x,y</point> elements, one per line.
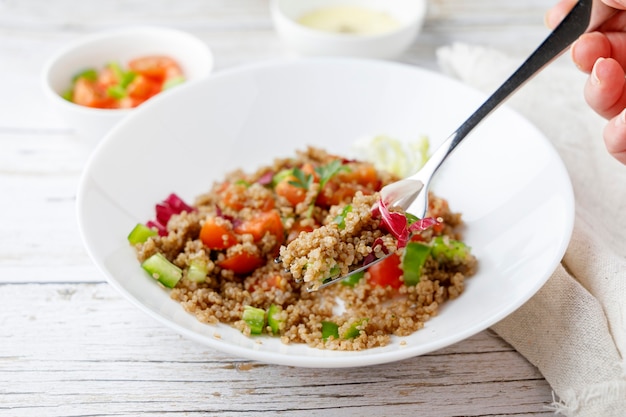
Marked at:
<point>387,45</point>
<point>506,179</point>
<point>118,45</point>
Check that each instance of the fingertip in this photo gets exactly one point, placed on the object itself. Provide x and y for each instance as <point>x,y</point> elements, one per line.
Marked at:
<point>588,48</point>
<point>555,15</point>
<point>615,137</point>
<point>605,90</point>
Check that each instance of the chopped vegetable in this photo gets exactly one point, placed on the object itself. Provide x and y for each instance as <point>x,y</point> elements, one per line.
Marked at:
<point>173,204</point>
<point>242,262</point>
<point>449,248</point>
<point>291,190</point>
<point>140,234</point>
<point>275,319</point>
<point>89,74</point>
<point>254,318</point>
<point>353,279</point>
<point>267,222</point>
<point>197,271</point>
<point>354,330</point>
<point>329,329</point>
<point>341,218</point>
<point>173,82</point>
<point>386,272</point>
<point>162,270</point>
<point>396,223</point>
<point>217,234</point>
<point>415,255</point>
<point>401,225</point>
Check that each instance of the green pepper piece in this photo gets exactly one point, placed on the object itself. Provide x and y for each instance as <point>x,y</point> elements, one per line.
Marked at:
<point>117,70</point>
<point>415,255</point>
<point>274,319</point>
<point>116,92</point>
<point>68,95</point>
<point>353,279</point>
<point>354,329</point>
<point>127,78</point>
<point>254,318</point>
<point>89,74</point>
<point>449,248</point>
<point>173,82</point>
<point>163,270</point>
<point>329,329</point>
<point>140,234</point>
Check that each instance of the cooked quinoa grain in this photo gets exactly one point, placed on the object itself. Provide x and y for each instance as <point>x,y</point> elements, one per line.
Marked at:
<point>314,211</point>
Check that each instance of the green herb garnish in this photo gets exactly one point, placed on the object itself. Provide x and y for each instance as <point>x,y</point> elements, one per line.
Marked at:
<point>329,170</point>
<point>302,180</point>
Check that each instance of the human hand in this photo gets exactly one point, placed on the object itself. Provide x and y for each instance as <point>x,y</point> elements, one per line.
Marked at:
<point>602,54</point>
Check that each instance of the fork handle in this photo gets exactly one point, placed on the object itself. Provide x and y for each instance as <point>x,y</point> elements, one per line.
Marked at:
<point>575,23</point>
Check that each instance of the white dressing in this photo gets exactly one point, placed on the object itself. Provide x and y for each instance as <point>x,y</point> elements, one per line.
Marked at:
<point>353,20</point>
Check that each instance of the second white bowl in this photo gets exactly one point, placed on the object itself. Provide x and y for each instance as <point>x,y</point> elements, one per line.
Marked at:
<point>304,40</point>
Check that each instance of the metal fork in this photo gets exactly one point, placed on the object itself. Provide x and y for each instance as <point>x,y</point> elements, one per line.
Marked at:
<point>413,191</point>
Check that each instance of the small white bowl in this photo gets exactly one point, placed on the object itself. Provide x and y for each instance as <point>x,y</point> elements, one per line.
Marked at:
<point>121,45</point>
<point>304,40</point>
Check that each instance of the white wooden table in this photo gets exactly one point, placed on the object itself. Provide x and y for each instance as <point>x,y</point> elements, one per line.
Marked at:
<point>72,346</point>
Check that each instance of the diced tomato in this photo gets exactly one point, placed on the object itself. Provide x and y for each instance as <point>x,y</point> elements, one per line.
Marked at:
<point>438,227</point>
<point>107,77</point>
<point>296,230</point>
<point>242,262</point>
<point>343,186</point>
<point>217,235</point>
<point>268,282</point>
<point>267,222</point>
<point>335,193</point>
<point>294,194</point>
<point>129,102</point>
<point>87,93</point>
<point>160,68</point>
<point>417,238</point>
<point>233,196</point>
<point>143,88</point>
<point>386,272</point>
<point>362,174</point>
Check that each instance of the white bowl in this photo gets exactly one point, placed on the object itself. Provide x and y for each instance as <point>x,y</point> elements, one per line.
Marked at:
<point>517,205</point>
<point>122,45</point>
<point>303,40</point>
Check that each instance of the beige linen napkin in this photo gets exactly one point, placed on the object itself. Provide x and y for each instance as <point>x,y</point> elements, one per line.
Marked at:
<point>574,328</point>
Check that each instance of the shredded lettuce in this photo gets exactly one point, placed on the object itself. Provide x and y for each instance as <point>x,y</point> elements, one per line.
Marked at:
<point>392,155</point>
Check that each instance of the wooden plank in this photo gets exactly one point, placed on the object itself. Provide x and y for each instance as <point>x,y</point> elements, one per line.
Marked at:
<point>83,350</point>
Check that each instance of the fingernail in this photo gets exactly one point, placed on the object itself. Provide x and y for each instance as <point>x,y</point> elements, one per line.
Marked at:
<point>595,80</point>
<point>572,52</point>
<point>621,118</point>
<point>547,21</point>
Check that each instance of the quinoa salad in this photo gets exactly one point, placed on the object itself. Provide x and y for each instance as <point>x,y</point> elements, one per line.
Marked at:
<point>249,251</point>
